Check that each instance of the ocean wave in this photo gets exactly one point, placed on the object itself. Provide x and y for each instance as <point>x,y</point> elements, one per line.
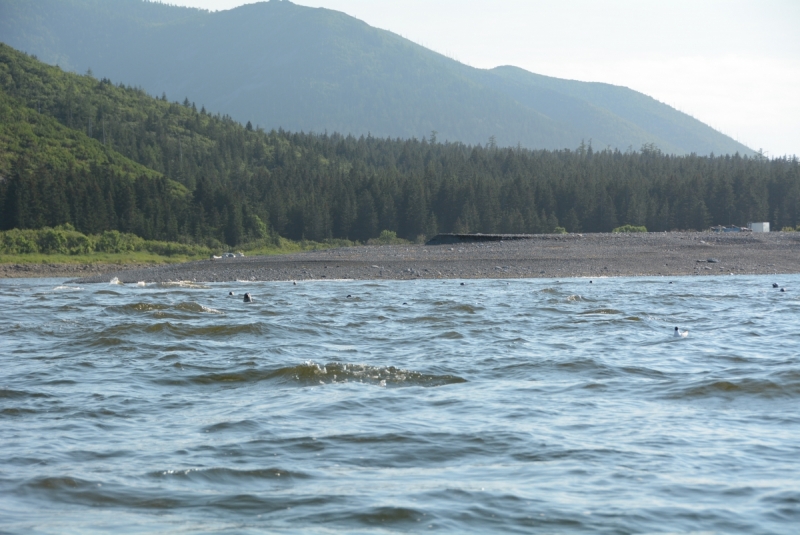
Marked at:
<point>737,388</point>
<point>7,393</point>
<point>184,284</point>
<point>230,476</point>
<point>337,372</point>
<point>199,331</point>
<point>104,341</point>
<point>68,489</point>
<point>64,288</point>
<point>313,374</point>
<point>136,308</point>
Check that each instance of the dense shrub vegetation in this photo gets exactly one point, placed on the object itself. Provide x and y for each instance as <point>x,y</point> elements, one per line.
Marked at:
<point>630,228</point>
<point>66,240</point>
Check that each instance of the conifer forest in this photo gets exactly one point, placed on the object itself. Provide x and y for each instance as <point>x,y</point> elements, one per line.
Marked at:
<point>101,156</point>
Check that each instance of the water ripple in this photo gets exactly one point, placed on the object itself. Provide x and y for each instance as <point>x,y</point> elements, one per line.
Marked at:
<point>522,406</point>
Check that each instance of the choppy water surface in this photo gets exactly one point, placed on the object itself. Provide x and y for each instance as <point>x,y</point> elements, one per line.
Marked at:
<point>523,406</point>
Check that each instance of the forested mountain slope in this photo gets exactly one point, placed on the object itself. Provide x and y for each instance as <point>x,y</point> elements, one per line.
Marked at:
<point>51,174</point>
<point>74,149</point>
<point>282,65</point>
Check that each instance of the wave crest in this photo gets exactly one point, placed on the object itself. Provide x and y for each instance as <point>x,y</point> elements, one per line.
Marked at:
<point>312,374</point>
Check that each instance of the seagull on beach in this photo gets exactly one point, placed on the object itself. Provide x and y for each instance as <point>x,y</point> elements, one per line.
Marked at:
<point>680,334</point>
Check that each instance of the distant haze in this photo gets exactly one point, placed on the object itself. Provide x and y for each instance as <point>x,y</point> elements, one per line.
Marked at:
<point>732,64</point>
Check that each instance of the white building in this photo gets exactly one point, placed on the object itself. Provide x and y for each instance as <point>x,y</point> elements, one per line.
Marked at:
<point>759,227</point>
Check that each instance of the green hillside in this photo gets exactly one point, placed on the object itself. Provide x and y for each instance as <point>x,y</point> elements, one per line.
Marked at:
<point>102,157</point>
<point>282,65</point>
<point>41,141</point>
<point>51,174</point>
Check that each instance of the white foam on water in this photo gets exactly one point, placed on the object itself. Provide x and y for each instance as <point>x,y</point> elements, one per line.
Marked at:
<point>68,288</point>
<point>184,284</point>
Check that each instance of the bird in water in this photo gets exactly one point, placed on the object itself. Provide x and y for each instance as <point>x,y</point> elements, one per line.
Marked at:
<point>248,298</point>
<point>680,334</point>
<point>774,284</point>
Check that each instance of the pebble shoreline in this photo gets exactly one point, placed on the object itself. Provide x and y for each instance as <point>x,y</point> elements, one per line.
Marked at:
<point>28,271</point>
<point>539,256</point>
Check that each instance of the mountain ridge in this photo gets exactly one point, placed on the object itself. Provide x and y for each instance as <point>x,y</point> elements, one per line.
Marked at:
<point>277,64</point>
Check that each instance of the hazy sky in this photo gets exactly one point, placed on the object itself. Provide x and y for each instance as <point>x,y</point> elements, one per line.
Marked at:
<point>733,64</point>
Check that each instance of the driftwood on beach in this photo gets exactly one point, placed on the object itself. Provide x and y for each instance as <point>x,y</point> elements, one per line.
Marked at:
<point>548,255</point>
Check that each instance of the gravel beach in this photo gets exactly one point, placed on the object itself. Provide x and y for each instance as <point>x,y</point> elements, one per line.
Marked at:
<point>28,271</point>
<point>556,256</point>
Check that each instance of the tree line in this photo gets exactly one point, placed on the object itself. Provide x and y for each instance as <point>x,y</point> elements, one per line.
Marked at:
<point>212,180</point>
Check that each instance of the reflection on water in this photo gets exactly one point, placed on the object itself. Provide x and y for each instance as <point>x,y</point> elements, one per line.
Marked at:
<point>500,406</point>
